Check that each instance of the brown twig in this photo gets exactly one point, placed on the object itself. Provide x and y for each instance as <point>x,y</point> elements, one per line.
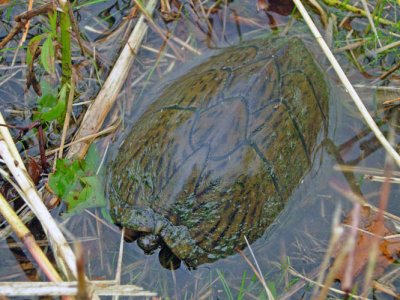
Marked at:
<point>42,151</point>
<point>75,28</point>
<point>80,266</point>
<point>27,24</point>
<point>389,72</point>
<point>22,20</point>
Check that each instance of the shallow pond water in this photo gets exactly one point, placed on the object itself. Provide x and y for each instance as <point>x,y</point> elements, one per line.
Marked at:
<point>299,236</point>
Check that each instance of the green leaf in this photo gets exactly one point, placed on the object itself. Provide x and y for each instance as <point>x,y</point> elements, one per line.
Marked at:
<point>47,100</point>
<point>47,57</point>
<point>50,108</point>
<point>65,179</point>
<point>92,194</point>
<point>47,87</point>
<point>44,104</point>
<point>225,284</point>
<point>77,183</point>
<point>92,160</point>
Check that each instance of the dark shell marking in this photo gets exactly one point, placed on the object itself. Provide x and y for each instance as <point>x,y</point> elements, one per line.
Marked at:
<point>217,155</point>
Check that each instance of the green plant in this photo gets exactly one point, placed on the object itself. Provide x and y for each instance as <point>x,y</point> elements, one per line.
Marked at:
<point>78,184</point>
<point>245,287</point>
<point>52,105</point>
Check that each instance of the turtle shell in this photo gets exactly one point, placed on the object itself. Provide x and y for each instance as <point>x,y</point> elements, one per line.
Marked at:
<point>218,153</point>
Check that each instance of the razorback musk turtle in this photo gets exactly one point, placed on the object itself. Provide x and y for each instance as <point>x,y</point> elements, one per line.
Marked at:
<point>217,155</point>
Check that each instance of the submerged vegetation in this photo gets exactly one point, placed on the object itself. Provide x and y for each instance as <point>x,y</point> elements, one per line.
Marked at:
<point>56,57</point>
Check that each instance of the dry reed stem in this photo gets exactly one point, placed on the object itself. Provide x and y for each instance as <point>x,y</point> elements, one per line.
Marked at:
<point>385,289</point>
<point>378,88</point>
<point>382,179</point>
<point>29,241</point>
<point>118,272</point>
<point>351,242</point>
<point>322,14</point>
<point>337,291</point>
<point>8,151</point>
<point>67,116</point>
<point>26,215</point>
<point>350,46</point>
<point>370,174</point>
<point>387,47</point>
<point>90,137</point>
<point>107,96</point>
<point>371,21</point>
<point>354,197</point>
<point>337,232</point>
<point>102,288</point>
<point>299,285</point>
<point>157,29</point>
<point>342,76</point>
<point>185,45</point>
<point>362,170</point>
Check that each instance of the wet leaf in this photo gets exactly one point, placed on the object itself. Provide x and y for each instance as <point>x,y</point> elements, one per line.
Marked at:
<point>34,170</point>
<point>388,250</point>
<point>32,81</point>
<point>33,46</point>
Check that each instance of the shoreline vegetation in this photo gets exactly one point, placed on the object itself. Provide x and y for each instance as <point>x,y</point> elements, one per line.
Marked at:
<point>363,244</point>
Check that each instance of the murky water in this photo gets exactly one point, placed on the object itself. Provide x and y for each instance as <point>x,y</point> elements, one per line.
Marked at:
<point>299,236</point>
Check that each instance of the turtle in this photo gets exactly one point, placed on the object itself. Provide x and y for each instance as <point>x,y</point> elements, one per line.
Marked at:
<point>218,153</point>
